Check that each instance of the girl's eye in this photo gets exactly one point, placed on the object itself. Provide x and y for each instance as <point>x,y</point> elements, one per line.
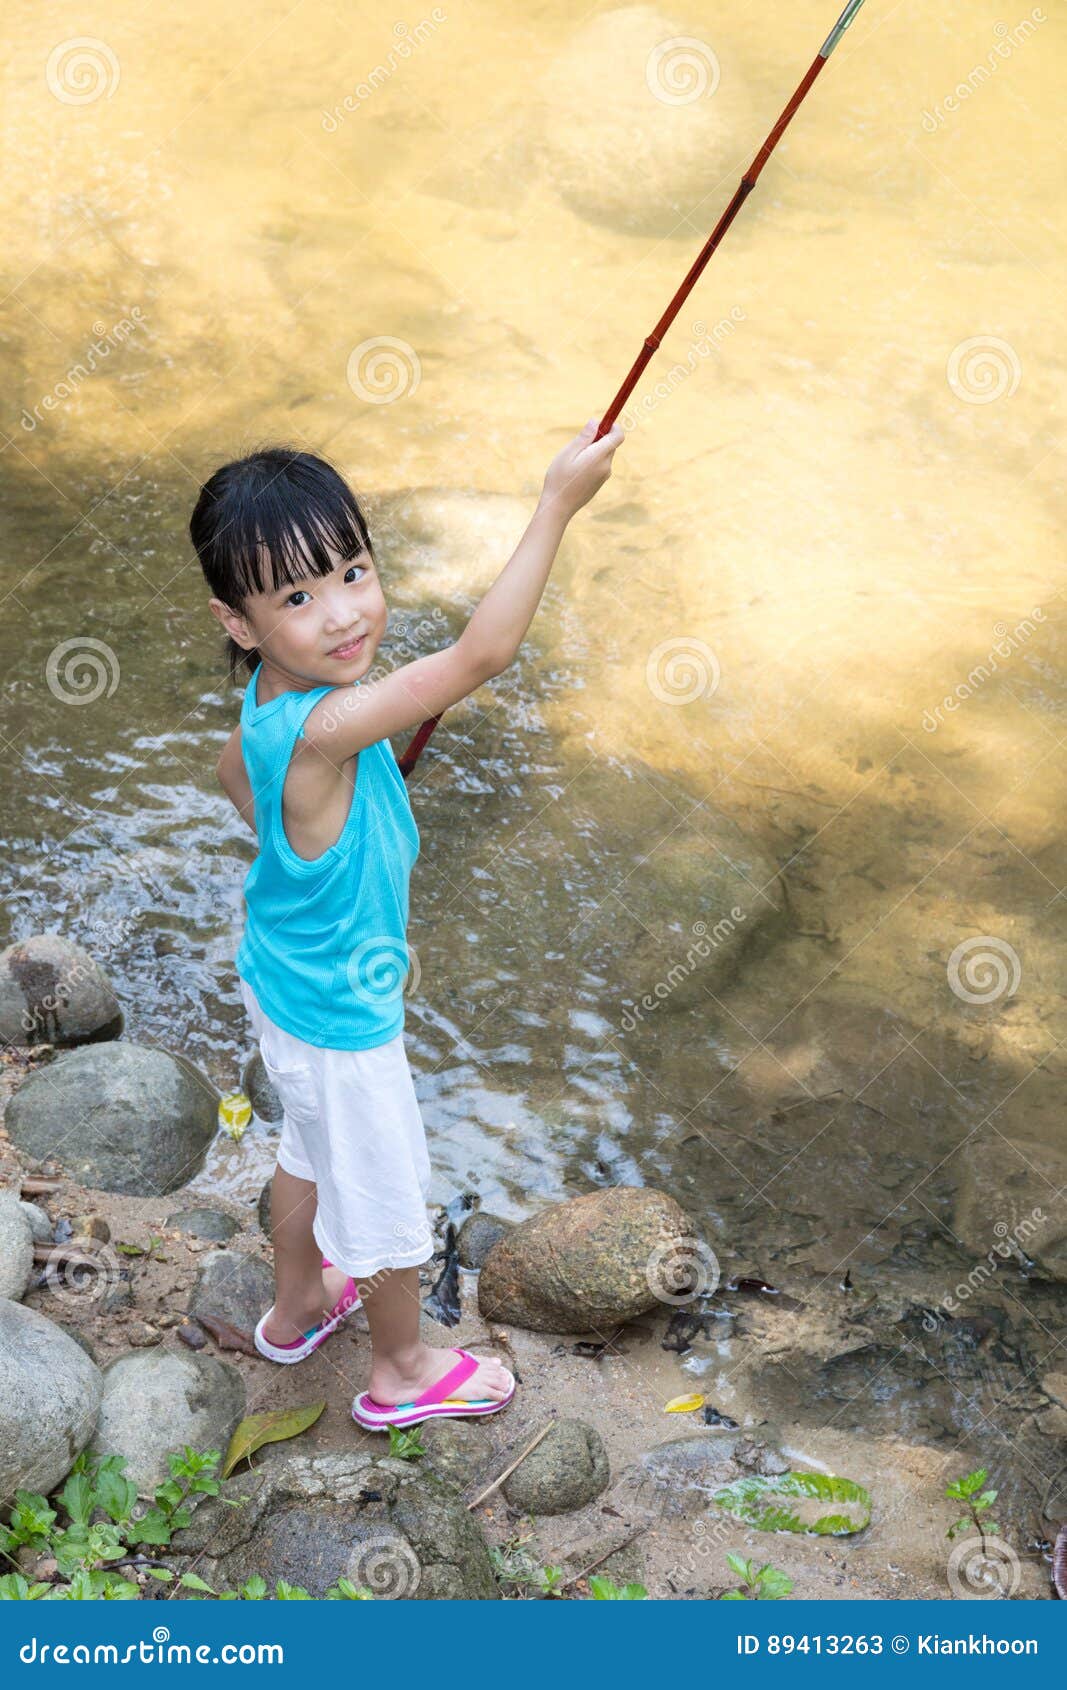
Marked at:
<point>352,566</point>
<point>300,593</point>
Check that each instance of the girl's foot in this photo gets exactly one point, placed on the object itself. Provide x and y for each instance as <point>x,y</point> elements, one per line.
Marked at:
<point>390,1384</point>
<point>334,1280</point>
<point>448,1394</point>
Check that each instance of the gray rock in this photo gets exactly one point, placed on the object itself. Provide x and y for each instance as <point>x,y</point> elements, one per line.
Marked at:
<point>156,1400</point>
<point>16,1247</point>
<point>263,1207</point>
<point>567,1469</point>
<point>477,1236</point>
<point>118,1117</point>
<point>234,1287</point>
<point>680,1477</point>
<point>53,992</point>
<point>593,1262</point>
<point>456,1450</point>
<point>40,1224</point>
<point>385,1524</point>
<point>1006,1209</point>
<point>50,1392</point>
<point>213,1224</point>
<point>258,1089</point>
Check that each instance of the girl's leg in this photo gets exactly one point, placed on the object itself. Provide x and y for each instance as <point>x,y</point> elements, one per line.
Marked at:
<point>304,1290</point>
<point>402,1366</point>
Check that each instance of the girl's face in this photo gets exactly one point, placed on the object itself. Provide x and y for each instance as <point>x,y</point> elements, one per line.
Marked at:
<point>322,629</point>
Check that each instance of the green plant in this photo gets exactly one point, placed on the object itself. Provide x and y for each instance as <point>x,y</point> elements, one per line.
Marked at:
<point>765,1583</point>
<point>405,1446</point>
<point>102,1533</point>
<point>513,1565</point>
<point>604,1590</point>
<point>968,1490</point>
<point>792,1502</point>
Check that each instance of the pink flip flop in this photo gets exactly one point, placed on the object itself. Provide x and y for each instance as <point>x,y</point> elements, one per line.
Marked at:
<point>434,1403</point>
<point>315,1335</point>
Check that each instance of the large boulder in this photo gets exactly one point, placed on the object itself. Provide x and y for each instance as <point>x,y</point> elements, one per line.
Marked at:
<point>118,1117</point>
<point>567,1469</point>
<point>53,992</point>
<point>477,1236</point>
<point>310,1519</point>
<point>592,1262</point>
<point>50,1392</point>
<point>155,1401</point>
<point>233,1287</point>
<point>641,120</point>
<point>1010,1206</point>
<point>16,1246</point>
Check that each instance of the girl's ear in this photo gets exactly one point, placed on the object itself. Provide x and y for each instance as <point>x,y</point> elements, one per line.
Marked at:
<point>234,624</point>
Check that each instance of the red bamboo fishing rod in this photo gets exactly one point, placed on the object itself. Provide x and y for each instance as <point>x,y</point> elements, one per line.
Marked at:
<point>744,188</point>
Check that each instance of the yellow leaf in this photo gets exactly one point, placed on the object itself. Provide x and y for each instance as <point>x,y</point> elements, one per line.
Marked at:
<point>235,1112</point>
<point>683,1405</point>
<point>271,1428</point>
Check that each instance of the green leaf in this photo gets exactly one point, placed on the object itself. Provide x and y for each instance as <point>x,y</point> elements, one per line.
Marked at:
<point>773,1584</point>
<point>405,1446</point>
<point>163,1574</point>
<point>733,1596</point>
<point>193,1581</point>
<point>271,1428</point>
<point>254,1589</point>
<point>739,1565</point>
<point>762,1503</point>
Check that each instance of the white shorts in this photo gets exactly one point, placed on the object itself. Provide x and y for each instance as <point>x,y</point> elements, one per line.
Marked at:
<point>352,1125</point>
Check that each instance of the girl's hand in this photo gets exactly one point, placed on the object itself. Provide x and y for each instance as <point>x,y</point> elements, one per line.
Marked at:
<point>581,469</point>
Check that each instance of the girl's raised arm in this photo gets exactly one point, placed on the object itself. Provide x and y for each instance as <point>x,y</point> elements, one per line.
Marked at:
<point>354,716</point>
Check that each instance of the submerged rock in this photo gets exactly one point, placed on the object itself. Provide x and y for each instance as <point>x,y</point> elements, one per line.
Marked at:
<point>156,1400</point>
<point>233,1287</point>
<point>53,992</point>
<point>590,1263</point>
<point>680,1477</point>
<point>259,1091</point>
<point>311,1519</point>
<point>567,1469</point>
<point>16,1247</point>
<point>1007,1209</point>
<point>50,1392</point>
<point>642,121</point>
<point>477,1236</point>
<point>118,1117</point>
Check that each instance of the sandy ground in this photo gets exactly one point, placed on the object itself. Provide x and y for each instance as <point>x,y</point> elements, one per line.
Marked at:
<point>673,1545</point>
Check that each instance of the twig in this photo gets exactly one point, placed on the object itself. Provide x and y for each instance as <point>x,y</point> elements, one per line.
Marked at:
<point>489,1489</point>
<point>614,1550</point>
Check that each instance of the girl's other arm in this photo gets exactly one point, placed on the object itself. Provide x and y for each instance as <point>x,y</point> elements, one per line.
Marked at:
<point>352,717</point>
<point>233,777</point>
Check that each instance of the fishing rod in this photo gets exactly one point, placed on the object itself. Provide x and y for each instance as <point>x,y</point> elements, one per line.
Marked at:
<point>744,188</point>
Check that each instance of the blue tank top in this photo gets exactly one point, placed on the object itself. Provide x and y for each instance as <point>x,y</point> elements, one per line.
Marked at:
<point>324,946</point>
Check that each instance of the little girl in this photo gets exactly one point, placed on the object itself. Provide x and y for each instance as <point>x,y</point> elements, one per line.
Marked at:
<point>322,962</point>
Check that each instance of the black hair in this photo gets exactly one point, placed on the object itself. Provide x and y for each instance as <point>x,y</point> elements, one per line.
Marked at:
<point>289,503</point>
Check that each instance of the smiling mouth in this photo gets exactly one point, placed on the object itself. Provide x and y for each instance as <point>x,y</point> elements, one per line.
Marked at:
<point>350,650</point>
